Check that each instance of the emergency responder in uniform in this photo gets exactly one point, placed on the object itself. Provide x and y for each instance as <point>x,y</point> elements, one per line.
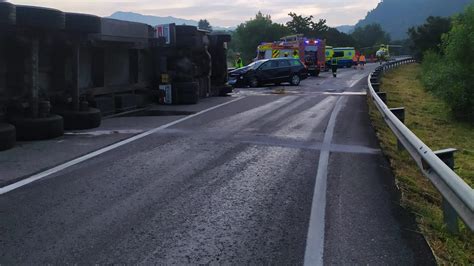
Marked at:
<point>355,61</point>
<point>296,55</point>
<point>334,66</point>
<point>362,61</point>
<point>238,62</point>
<point>286,54</point>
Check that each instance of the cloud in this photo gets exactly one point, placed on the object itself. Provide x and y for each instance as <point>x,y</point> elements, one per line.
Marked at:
<point>223,12</point>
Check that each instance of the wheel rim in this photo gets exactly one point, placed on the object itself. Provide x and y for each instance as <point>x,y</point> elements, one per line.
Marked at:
<point>254,82</point>
<point>295,80</point>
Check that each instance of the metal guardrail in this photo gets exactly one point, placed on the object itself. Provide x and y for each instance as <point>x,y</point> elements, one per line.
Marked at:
<point>458,197</point>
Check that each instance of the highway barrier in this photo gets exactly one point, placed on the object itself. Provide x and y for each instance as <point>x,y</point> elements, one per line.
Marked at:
<point>437,166</point>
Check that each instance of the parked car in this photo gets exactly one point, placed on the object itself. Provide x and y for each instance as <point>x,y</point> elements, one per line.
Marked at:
<point>275,71</point>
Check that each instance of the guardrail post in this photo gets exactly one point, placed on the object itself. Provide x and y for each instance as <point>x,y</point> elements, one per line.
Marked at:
<point>383,96</point>
<point>449,214</point>
<point>400,114</point>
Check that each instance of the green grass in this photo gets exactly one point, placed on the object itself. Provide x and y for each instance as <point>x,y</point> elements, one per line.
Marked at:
<point>431,120</point>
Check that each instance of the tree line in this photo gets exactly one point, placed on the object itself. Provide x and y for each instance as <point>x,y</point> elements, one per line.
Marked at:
<point>446,48</point>
<point>248,35</point>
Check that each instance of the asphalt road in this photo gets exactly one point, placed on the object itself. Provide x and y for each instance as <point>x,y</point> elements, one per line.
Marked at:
<point>233,185</point>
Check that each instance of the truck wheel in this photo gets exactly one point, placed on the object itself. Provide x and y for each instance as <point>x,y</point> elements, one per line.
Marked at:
<point>186,92</point>
<point>38,128</point>
<point>224,90</point>
<point>39,17</point>
<point>295,80</point>
<point>77,120</point>
<point>83,23</point>
<point>7,136</point>
<point>7,13</point>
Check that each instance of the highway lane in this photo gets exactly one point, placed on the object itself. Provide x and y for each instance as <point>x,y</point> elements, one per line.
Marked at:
<point>234,185</point>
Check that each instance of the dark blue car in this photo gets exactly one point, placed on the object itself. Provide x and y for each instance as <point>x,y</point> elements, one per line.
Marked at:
<point>269,71</point>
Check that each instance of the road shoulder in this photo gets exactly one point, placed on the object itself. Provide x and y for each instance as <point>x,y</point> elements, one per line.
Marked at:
<point>364,221</point>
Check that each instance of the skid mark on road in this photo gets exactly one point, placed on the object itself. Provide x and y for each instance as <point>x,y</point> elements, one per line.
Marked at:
<point>91,155</point>
<point>104,132</point>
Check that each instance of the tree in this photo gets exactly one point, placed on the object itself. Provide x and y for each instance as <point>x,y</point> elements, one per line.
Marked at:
<point>428,36</point>
<point>252,33</point>
<point>449,73</point>
<point>337,39</point>
<point>203,24</point>
<point>306,26</point>
<point>370,35</point>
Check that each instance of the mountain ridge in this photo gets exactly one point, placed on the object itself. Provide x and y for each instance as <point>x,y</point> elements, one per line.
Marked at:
<point>397,16</point>
<point>157,20</point>
<point>348,29</point>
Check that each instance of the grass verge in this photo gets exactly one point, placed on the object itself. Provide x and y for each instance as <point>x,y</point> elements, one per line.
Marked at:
<point>431,120</point>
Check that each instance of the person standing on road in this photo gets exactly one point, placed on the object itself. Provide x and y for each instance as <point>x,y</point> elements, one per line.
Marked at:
<point>362,61</point>
<point>334,66</point>
<point>286,54</point>
<point>295,54</point>
<point>355,61</point>
<point>238,62</point>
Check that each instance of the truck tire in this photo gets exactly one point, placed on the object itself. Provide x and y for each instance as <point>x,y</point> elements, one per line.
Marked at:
<point>40,17</point>
<point>224,90</point>
<point>77,120</point>
<point>186,92</point>
<point>7,13</point>
<point>83,23</point>
<point>7,136</point>
<point>38,128</point>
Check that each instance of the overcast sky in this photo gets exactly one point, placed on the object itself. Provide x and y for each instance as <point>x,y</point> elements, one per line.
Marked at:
<point>220,12</point>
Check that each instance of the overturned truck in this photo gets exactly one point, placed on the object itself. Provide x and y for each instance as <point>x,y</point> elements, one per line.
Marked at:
<point>192,63</point>
<point>64,71</point>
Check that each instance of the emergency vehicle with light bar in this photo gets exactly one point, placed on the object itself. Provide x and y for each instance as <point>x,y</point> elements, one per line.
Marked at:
<point>311,52</point>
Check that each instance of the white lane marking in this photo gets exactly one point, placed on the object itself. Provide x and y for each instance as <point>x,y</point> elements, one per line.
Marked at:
<point>91,155</point>
<point>346,93</point>
<point>315,239</point>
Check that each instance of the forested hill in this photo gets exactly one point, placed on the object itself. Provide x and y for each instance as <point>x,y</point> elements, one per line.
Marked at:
<point>396,16</point>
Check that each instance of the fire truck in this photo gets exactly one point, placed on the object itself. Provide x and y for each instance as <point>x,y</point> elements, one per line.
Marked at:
<point>312,52</point>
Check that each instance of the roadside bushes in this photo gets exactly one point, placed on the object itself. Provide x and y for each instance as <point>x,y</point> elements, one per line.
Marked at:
<point>451,76</point>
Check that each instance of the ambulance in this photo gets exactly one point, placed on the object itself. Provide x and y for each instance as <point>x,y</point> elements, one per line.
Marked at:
<point>311,52</point>
<point>329,55</point>
<point>344,55</point>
